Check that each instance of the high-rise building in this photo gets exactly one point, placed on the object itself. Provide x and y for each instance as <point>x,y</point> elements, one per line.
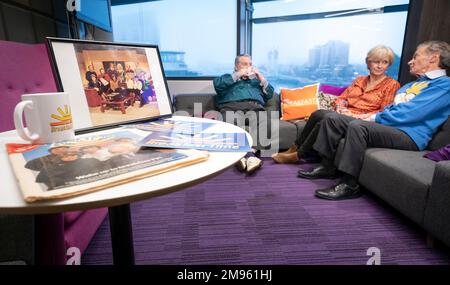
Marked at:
<point>314,56</point>
<point>334,53</point>
<point>329,55</point>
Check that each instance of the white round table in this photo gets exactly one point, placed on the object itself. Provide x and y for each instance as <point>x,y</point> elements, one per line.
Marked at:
<point>118,198</point>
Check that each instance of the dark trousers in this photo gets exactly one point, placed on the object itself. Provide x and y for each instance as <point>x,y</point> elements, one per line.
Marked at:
<point>309,133</point>
<point>359,135</point>
<point>247,115</point>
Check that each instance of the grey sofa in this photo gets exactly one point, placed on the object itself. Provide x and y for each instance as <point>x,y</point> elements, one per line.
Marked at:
<point>184,104</point>
<point>417,187</point>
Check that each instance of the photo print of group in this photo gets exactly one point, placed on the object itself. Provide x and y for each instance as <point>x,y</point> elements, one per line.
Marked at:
<point>117,82</point>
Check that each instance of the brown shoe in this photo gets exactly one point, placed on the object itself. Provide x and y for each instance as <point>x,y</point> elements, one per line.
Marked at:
<point>292,149</point>
<point>285,157</point>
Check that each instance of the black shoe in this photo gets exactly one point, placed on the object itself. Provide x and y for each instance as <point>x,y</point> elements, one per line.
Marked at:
<point>340,191</point>
<point>318,172</point>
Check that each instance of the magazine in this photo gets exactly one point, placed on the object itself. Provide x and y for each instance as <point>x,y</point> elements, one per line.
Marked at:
<point>227,142</point>
<point>91,163</point>
<point>172,126</point>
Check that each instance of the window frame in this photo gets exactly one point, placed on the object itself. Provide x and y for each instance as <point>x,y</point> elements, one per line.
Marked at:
<point>321,15</point>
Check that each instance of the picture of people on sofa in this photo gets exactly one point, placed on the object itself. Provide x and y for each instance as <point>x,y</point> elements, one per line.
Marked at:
<point>117,83</point>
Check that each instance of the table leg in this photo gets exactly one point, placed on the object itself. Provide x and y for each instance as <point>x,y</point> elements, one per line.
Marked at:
<point>121,234</point>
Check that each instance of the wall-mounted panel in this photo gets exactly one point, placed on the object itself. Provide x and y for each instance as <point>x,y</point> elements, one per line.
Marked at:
<point>59,10</point>
<point>2,30</point>
<point>19,24</point>
<point>44,6</point>
<point>44,27</point>
<point>62,30</point>
<point>22,2</point>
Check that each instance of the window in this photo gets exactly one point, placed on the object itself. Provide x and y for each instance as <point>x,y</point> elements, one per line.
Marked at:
<point>195,38</point>
<point>326,42</point>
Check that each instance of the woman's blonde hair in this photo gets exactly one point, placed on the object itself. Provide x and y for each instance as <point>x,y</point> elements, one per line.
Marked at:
<point>380,52</point>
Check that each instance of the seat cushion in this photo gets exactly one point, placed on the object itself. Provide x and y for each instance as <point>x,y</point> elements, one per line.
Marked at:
<point>186,102</point>
<point>401,178</point>
<point>70,217</point>
<point>80,233</point>
<point>287,134</point>
<point>441,138</point>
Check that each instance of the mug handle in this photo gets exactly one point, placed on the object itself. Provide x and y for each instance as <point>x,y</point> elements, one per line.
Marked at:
<point>24,133</point>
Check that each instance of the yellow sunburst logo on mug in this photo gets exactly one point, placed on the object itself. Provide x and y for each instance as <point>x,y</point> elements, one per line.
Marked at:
<point>63,118</point>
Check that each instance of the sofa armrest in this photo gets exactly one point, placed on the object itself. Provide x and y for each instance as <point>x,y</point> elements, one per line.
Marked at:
<point>194,104</point>
<point>437,211</point>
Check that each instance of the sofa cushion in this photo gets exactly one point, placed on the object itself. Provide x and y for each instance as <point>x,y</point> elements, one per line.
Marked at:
<point>401,178</point>
<point>70,217</point>
<point>332,90</point>
<point>287,134</point>
<point>299,103</point>
<point>441,138</point>
<point>440,154</point>
<point>80,233</point>
<point>186,102</point>
<point>325,101</point>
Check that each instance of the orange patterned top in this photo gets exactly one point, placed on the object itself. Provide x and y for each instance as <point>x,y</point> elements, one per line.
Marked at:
<point>361,102</point>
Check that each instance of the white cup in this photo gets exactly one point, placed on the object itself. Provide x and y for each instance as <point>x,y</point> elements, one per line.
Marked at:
<point>48,117</point>
<point>251,73</point>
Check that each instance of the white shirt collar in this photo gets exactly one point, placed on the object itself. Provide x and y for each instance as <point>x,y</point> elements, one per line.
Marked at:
<point>435,73</point>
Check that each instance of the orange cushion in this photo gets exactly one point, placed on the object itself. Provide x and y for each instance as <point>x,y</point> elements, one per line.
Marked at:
<point>299,103</point>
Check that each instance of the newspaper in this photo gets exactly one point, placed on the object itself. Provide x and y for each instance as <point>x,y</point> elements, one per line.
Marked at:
<point>223,142</point>
<point>173,126</point>
<point>87,164</point>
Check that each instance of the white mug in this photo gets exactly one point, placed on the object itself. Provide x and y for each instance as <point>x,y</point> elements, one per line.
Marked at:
<point>48,117</point>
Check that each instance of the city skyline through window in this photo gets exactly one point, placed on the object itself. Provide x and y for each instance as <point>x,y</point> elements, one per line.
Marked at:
<point>291,51</point>
<point>329,50</point>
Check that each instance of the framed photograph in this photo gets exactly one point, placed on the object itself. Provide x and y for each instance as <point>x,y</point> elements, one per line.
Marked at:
<point>110,84</point>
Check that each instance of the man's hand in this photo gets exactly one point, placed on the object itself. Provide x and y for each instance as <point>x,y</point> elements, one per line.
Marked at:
<point>240,74</point>
<point>258,74</point>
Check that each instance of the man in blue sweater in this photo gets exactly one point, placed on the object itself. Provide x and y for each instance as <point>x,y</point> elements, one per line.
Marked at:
<point>242,96</point>
<point>419,108</point>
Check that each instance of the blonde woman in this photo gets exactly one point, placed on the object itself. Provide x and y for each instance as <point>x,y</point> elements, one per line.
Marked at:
<point>366,96</point>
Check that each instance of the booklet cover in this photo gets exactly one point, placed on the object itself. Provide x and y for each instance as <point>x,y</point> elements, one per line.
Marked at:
<point>172,126</point>
<point>231,142</point>
<point>91,163</point>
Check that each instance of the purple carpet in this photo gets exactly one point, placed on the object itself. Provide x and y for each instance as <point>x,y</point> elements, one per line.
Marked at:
<point>271,217</point>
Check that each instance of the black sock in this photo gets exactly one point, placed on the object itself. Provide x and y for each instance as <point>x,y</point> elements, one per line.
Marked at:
<point>349,180</point>
<point>250,154</point>
<point>327,163</point>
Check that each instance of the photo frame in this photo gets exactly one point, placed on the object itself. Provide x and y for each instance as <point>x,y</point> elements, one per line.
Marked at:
<point>110,84</point>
